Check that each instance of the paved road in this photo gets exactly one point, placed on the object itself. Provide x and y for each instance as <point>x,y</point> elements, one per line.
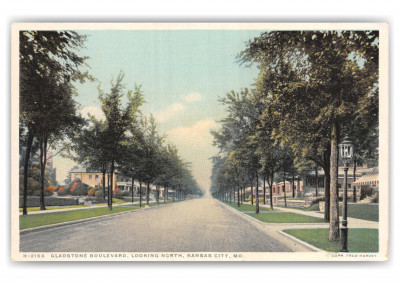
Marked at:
<point>195,225</point>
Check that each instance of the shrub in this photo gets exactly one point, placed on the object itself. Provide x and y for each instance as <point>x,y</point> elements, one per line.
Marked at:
<point>80,188</point>
<point>92,191</point>
<point>375,197</point>
<point>33,186</point>
<point>73,186</point>
<point>366,190</point>
<point>50,188</point>
<point>99,197</point>
<point>62,191</point>
<point>117,193</point>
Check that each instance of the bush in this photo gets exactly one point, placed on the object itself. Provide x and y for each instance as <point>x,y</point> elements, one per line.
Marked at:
<point>92,191</point>
<point>99,197</point>
<point>33,186</point>
<point>366,190</point>
<point>34,201</point>
<point>375,197</point>
<point>62,191</point>
<point>79,188</point>
<point>48,191</point>
<point>73,186</point>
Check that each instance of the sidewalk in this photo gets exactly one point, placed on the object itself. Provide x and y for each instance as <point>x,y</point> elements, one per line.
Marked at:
<point>277,229</point>
<point>352,222</point>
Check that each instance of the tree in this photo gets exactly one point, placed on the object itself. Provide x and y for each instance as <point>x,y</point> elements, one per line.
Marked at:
<point>118,120</point>
<point>314,81</point>
<point>48,63</point>
<point>88,148</point>
<point>150,166</point>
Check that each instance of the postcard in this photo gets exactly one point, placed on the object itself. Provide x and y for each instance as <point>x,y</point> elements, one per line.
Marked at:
<point>199,142</point>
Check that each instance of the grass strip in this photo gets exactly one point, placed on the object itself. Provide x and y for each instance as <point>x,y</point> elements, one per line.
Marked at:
<point>33,209</point>
<point>286,217</point>
<point>314,207</point>
<point>37,220</point>
<point>368,212</point>
<point>248,207</point>
<point>359,240</point>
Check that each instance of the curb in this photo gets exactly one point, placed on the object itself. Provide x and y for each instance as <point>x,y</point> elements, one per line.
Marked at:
<point>52,226</point>
<point>302,242</point>
<point>261,226</point>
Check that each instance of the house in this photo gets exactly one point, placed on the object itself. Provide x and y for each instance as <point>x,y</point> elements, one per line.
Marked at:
<point>306,184</point>
<point>91,178</point>
<point>370,179</point>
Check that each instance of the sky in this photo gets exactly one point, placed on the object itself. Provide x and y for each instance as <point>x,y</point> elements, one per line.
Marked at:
<point>183,73</point>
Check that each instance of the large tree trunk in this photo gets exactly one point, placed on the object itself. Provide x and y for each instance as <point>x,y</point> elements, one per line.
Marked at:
<point>257,200</point>
<point>110,189</point>
<point>270,183</point>
<point>251,192</point>
<point>238,195</point>
<point>108,186</point>
<point>26,165</point>
<point>292,186</point>
<point>43,151</point>
<point>284,188</point>
<point>354,180</point>
<point>316,180</point>
<point>334,202</point>
<point>264,190</point>
<point>140,193</point>
<point>104,183</point>
<point>148,193</point>
<point>165,192</point>
<point>133,182</point>
<point>327,180</point>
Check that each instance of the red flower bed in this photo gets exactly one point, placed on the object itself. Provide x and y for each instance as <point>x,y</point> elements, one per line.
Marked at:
<point>60,189</point>
<point>73,186</point>
<point>50,188</point>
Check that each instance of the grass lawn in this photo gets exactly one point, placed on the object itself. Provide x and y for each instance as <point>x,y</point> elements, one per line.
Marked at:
<point>286,217</point>
<point>247,207</point>
<point>359,240</point>
<point>314,207</point>
<point>32,209</point>
<point>31,221</point>
<point>363,211</point>
<point>115,201</point>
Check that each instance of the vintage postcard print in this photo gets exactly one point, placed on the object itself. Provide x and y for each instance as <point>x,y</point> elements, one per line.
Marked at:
<point>200,142</point>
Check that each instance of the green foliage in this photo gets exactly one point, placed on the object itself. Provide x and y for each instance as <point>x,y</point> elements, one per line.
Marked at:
<point>375,197</point>
<point>37,220</point>
<point>366,191</point>
<point>81,189</point>
<point>286,218</point>
<point>359,240</point>
<point>64,191</point>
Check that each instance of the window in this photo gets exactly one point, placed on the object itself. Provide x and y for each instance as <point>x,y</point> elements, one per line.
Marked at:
<point>96,177</point>
<point>90,176</point>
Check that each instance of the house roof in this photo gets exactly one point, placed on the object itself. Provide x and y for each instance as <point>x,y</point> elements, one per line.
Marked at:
<point>81,169</point>
<point>366,179</point>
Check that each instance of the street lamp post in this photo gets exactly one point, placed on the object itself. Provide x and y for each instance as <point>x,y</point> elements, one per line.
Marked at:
<point>346,153</point>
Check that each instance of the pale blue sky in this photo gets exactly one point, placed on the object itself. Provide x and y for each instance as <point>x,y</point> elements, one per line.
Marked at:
<point>182,74</point>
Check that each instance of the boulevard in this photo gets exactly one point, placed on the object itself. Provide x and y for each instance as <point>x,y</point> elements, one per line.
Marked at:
<point>198,225</point>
